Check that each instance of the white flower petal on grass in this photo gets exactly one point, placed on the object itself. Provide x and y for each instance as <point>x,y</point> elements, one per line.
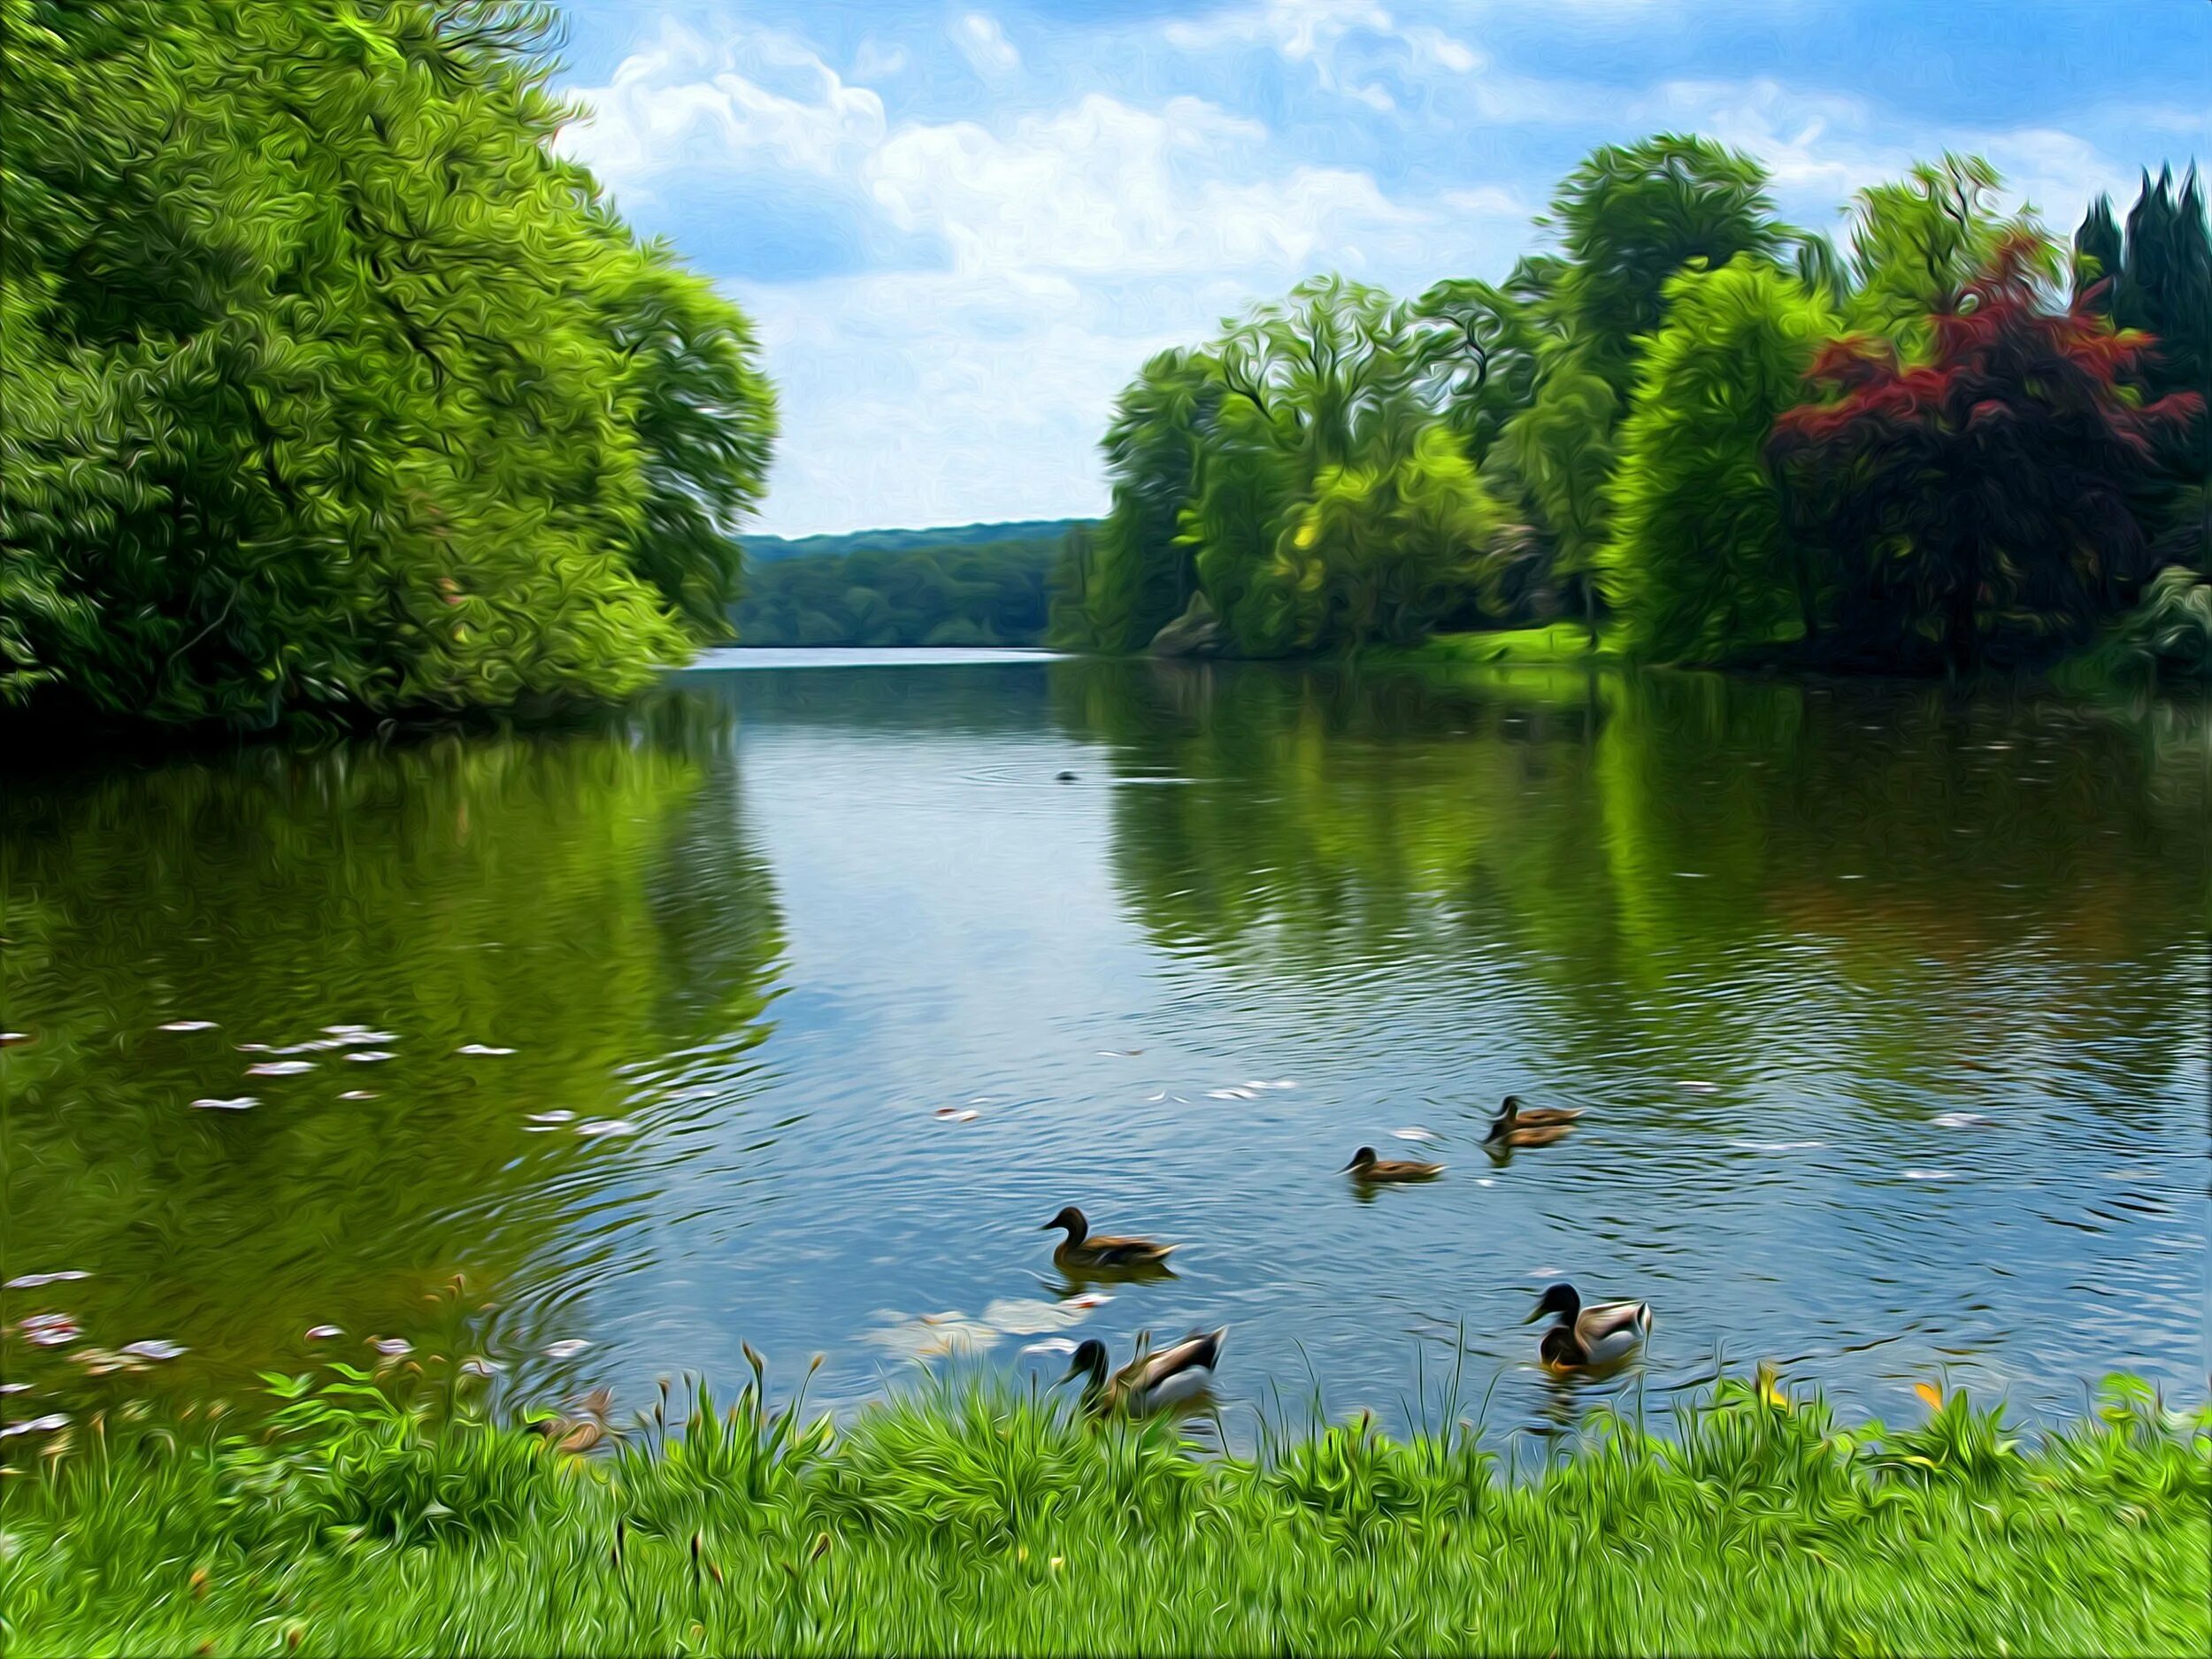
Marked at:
<point>155,1347</point>
<point>238,1104</point>
<point>480,1047</point>
<point>32,1281</point>
<point>280,1068</point>
<point>190,1025</point>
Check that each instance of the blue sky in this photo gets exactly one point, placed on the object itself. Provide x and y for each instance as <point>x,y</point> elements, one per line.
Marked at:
<point>961,228</point>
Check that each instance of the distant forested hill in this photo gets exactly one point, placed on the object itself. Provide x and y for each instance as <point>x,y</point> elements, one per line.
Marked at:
<point>968,584</point>
<point>769,549</point>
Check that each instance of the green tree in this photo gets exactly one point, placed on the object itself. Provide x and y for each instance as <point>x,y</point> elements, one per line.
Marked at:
<point>1916,244</point>
<point>331,385</point>
<point>1387,551</point>
<point>2096,257</point>
<point>1630,217</point>
<point>1700,566</point>
<point>1136,575</point>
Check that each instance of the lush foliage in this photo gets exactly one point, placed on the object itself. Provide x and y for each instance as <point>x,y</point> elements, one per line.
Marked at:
<point>330,384</point>
<point>1976,505</point>
<point>1672,425</point>
<point>1290,479</point>
<point>977,1523</point>
<point>991,592</point>
<point>1701,562</point>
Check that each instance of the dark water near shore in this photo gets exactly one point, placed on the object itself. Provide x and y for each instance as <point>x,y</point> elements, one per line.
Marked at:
<point>1889,1010</point>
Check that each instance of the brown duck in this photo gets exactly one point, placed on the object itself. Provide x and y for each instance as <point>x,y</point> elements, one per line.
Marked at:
<point>1080,1249</point>
<point>1519,1126</point>
<point>1365,1166</point>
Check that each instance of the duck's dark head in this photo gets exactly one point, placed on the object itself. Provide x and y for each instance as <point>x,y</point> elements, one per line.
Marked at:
<point>1362,1159</point>
<point>1070,1221</point>
<point>1501,1125</point>
<point>1560,1299</point>
<point>1089,1362</point>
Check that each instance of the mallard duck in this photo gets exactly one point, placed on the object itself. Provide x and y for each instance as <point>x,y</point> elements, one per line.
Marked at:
<point>1587,1338</point>
<point>579,1433</point>
<point>1365,1166</point>
<point>1516,1125</point>
<point>1149,1382</point>
<point>1080,1249</point>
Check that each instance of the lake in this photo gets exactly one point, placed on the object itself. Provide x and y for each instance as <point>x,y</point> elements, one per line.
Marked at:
<point>787,1008</point>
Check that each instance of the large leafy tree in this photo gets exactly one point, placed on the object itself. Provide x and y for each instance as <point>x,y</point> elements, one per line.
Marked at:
<point>1976,507</point>
<point>1630,217</point>
<point>1700,566</point>
<point>1918,241</point>
<point>1133,576</point>
<point>330,384</point>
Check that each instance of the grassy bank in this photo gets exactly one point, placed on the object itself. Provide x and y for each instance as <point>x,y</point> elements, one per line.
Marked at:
<point>1555,644</point>
<point>982,1523</point>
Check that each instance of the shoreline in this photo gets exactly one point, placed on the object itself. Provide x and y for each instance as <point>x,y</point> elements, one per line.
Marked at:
<point>982,1521</point>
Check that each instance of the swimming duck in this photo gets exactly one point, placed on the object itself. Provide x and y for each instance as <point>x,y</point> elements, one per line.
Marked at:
<point>1586,1338</point>
<point>1080,1249</point>
<point>1539,1126</point>
<point>1149,1382</point>
<point>1365,1166</point>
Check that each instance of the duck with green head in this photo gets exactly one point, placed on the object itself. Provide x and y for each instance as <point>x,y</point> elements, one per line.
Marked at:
<point>1082,1249</point>
<point>1588,1338</point>
<point>1149,1382</point>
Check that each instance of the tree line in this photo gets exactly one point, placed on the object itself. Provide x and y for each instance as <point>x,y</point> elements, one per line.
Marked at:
<point>330,384</point>
<point>984,593</point>
<point>1941,442</point>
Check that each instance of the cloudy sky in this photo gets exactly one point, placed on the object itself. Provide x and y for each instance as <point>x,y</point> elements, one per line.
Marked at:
<point>961,229</point>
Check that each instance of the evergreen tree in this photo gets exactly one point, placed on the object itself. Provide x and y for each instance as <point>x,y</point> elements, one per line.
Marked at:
<point>2097,258</point>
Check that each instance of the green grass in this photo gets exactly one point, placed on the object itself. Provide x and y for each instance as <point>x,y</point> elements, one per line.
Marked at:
<point>974,1521</point>
<point>1555,645</point>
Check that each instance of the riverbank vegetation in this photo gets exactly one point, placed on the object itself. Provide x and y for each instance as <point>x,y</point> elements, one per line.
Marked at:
<point>331,387</point>
<point>1704,434</point>
<point>965,1519</point>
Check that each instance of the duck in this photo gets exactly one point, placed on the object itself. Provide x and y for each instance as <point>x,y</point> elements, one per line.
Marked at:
<point>1586,1338</point>
<point>1149,1382</point>
<point>1079,1249</point>
<point>1516,1126</point>
<point>579,1433</point>
<point>1365,1166</point>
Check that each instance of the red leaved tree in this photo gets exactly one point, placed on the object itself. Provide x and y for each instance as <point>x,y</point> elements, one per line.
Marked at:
<point>1975,510</point>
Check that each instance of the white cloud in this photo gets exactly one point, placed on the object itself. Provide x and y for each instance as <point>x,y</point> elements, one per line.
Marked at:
<point>1106,189</point>
<point>1346,42</point>
<point>1821,149</point>
<point>660,113</point>
<point>984,44</point>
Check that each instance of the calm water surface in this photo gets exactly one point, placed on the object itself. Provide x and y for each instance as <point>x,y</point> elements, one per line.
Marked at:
<point>1888,1009</point>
